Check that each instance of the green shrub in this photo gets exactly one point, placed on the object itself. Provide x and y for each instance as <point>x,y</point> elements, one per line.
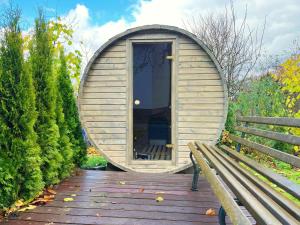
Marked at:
<point>41,58</point>
<point>40,132</point>
<point>64,140</point>
<point>94,161</point>
<point>20,173</point>
<point>261,97</point>
<point>70,111</point>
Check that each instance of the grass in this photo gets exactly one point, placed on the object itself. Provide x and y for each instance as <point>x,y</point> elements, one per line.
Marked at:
<point>94,161</point>
<point>287,171</point>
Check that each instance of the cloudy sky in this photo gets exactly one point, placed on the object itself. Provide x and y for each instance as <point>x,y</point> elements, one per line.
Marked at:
<point>98,20</point>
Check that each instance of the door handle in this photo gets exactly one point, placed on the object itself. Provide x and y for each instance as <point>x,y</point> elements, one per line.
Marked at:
<point>137,102</point>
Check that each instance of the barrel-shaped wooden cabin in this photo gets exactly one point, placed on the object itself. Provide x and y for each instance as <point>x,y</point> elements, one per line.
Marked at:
<point>149,91</point>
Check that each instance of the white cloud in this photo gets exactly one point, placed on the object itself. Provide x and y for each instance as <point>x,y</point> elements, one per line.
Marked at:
<point>4,2</point>
<point>282,26</point>
<point>87,37</point>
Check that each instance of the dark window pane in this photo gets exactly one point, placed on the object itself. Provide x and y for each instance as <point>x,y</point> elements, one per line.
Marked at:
<point>151,97</point>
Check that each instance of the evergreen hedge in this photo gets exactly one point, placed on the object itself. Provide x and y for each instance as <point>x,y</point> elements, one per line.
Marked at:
<point>20,173</point>
<point>64,140</point>
<point>70,111</point>
<point>41,58</point>
<point>40,133</point>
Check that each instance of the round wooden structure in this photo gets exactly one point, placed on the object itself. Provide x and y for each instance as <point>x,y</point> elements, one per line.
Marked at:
<point>149,91</point>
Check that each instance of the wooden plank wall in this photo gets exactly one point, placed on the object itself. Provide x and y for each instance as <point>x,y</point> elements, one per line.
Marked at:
<point>200,98</point>
<point>104,102</point>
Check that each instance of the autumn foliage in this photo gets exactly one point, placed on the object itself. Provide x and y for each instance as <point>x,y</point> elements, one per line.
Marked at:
<point>288,75</point>
<point>275,94</point>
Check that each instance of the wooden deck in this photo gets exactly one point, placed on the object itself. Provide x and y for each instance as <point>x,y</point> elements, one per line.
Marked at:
<point>102,197</point>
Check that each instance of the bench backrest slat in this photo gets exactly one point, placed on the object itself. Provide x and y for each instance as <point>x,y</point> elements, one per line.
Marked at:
<point>291,139</point>
<point>283,156</point>
<point>278,121</point>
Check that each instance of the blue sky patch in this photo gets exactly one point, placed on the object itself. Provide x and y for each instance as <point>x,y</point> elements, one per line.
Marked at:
<point>100,11</point>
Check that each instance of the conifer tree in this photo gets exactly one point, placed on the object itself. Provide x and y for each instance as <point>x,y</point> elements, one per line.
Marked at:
<point>71,112</point>
<point>64,140</point>
<point>20,173</point>
<point>41,57</point>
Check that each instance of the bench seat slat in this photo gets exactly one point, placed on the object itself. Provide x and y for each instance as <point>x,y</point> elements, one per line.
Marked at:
<point>287,138</point>
<point>286,210</point>
<point>277,179</point>
<point>256,208</point>
<point>285,157</point>
<point>232,209</point>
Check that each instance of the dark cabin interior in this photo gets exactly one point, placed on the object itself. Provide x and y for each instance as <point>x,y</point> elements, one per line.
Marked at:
<point>152,101</point>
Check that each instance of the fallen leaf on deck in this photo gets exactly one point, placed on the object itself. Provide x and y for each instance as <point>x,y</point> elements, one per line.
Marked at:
<point>19,203</point>
<point>159,193</point>
<point>141,190</point>
<point>68,199</point>
<point>49,197</point>
<point>27,208</point>
<point>159,199</point>
<point>78,173</point>
<point>73,195</point>
<point>51,191</point>
<point>122,182</point>
<point>97,214</point>
<point>41,201</point>
<point>1,216</point>
<point>210,212</point>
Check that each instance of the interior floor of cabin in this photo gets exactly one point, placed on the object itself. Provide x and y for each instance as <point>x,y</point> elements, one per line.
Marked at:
<point>153,152</point>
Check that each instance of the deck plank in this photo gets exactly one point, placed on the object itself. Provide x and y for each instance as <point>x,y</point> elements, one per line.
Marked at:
<point>102,199</point>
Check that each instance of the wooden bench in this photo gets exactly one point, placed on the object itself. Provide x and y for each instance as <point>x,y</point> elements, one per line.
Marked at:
<point>222,165</point>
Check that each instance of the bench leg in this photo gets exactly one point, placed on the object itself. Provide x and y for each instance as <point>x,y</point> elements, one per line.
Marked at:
<point>222,213</point>
<point>196,174</point>
<point>222,216</point>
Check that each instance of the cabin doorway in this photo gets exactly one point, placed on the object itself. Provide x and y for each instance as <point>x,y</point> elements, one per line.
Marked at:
<point>152,104</point>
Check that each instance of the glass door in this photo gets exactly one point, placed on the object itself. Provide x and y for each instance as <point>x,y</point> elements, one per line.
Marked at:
<point>152,101</point>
